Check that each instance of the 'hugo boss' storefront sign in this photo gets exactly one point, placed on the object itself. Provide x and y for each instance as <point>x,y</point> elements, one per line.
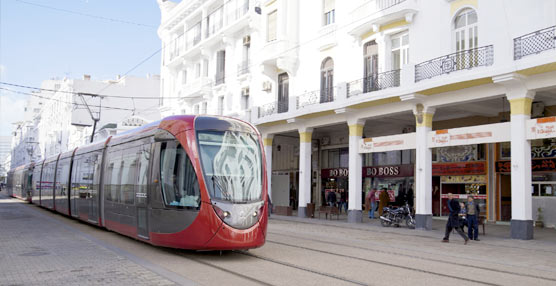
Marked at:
<point>334,173</point>
<point>389,171</point>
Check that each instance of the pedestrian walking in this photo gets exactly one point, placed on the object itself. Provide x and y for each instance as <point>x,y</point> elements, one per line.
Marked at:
<point>372,202</point>
<point>473,212</point>
<point>453,220</point>
<point>462,216</point>
<point>383,200</point>
<point>331,198</point>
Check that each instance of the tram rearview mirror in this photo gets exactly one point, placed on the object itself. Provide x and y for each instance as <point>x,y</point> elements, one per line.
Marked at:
<point>163,135</point>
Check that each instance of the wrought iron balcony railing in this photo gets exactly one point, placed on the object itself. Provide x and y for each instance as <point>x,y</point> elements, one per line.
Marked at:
<point>238,12</point>
<point>315,97</point>
<point>468,59</point>
<point>374,82</point>
<point>534,43</point>
<point>273,108</point>
<point>243,68</point>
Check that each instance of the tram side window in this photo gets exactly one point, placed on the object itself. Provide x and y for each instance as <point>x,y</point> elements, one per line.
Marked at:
<point>115,170</point>
<point>129,166</point>
<point>144,156</point>
<point>179,182</point>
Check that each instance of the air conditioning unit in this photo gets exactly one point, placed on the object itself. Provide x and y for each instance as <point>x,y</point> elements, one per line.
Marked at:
<point>245,91</point>
<point>247,40</point>
<point>267,86</point>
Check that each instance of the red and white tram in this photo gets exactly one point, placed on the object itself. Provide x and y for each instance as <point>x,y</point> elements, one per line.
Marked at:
<point>192,182</point>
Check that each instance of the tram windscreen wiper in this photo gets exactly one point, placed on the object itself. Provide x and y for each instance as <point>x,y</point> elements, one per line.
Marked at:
<point>221,185</point>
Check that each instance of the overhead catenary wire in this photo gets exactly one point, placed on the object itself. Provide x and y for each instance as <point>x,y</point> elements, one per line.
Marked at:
<point>62,101</point>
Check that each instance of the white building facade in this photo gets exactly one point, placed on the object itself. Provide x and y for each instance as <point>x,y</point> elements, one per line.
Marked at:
<point>444,96</point>
<point>58,119</point>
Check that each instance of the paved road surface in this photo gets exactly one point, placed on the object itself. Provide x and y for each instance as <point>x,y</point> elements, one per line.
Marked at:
<point>38,247</point>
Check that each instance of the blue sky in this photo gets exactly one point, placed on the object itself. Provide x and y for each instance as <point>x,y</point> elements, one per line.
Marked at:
<point>38,43</point>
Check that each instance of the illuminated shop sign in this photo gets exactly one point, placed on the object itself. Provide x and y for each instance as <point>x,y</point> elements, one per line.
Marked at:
<point>537,165</point>
<point>464,168</point>
<point>389,171</point>
<point>334,173</point>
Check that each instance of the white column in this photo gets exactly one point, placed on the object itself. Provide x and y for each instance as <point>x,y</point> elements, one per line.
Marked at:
<point>305,135</point>
<point>267,142</point>
<point>522,220</point>
<point>423,168</point>
<point>355,170</point>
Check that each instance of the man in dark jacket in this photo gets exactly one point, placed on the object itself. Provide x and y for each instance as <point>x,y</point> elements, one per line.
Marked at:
<point>473,212</point>
<point>331,198</point>
<point>453,220</point>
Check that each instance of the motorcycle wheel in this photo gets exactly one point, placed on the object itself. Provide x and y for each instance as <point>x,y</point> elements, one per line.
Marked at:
<point>385,223</point>
<point>410,222</point>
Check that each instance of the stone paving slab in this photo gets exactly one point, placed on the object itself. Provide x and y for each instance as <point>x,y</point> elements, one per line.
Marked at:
<point>37,250</point>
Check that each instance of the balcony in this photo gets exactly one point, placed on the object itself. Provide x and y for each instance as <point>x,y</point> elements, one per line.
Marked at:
<point>462,60</point>
<point>535,42</point>
<point>272,108</point>
<point>243,68</point>
<point>215,22</point>
<point>316,97</point>
<point>373,83</point>
<point>235,14</point>
<point>381,12</point>
<point>198,87</point>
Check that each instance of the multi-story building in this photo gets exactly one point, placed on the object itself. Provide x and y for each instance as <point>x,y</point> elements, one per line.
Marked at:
<point>62,115</point>
<point>5,150</point>
<point>207,60</point>
<point>436,97</point>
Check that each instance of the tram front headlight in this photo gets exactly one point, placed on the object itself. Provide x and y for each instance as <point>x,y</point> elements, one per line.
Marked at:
<point>221,213</point>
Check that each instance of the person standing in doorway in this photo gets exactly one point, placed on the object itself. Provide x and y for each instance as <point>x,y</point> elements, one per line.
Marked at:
<point>372,202</point>
<point>473,212</point>
<point>453,220</point>
<point>383,200</point>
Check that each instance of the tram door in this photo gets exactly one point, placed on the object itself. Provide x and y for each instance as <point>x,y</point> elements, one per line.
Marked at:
<point>141,198</point>
<point>93,195</point>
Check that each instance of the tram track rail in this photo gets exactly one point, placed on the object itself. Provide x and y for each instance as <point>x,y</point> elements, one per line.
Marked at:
<point>414,257</point>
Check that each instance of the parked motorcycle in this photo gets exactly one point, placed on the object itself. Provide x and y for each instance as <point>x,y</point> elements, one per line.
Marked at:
<point>396,216</point>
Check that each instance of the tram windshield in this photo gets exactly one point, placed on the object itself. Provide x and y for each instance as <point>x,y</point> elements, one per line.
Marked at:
<point>232,165</point>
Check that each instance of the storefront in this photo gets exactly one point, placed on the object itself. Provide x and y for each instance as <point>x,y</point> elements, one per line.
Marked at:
<point>334,180</point>
<point>393,178</point>
<point>543,188</point>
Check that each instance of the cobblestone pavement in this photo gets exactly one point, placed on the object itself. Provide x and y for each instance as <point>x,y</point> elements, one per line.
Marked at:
<point>36,250</point>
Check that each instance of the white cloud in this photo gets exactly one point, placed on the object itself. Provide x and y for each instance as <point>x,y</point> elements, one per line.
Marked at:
<point>11,110</point>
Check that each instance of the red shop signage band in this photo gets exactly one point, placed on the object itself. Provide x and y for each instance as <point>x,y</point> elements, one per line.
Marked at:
<point>537,165</point>
<point>464,168</point>
<point>334,173</point>
<point>389,171</point>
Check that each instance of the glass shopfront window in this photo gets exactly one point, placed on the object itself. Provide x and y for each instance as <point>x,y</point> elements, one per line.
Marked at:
<point>401,157</point>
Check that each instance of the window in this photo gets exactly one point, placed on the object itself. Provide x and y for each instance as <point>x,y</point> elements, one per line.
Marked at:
<point>232,165</point>
<point>180,187</point>
<point>466,30</point>
<point>115,167</point>
<point>327,81</point>
<point>143,168</point>
<point>466,38</point>
<point>220,67</point>
<point>196,109</point>
<point>129,166</point>
<point>205,67</point>
<point>329,12</point>
<point>221,105</point>
<point>283,92</point>
<point>370,55</point>
<point>400,50</point>
<point>198,70</point>
<point>184,77</point>
<point>271,26</point>
<point>205,106</point>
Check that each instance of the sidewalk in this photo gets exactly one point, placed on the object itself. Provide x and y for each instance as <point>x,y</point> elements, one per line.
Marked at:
<point>494,232</point>
<point>36,249</point>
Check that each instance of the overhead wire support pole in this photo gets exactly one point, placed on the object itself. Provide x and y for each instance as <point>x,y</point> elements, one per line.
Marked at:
<point>95,119</point>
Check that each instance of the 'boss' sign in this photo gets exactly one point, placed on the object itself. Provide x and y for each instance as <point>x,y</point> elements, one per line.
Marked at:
<point>383,171</point>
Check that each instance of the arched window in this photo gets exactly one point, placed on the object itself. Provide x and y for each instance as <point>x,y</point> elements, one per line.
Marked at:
<point>327,80</point>
<point>466,30</point>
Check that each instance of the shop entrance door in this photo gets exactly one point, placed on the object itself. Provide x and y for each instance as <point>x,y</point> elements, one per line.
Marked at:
<point>505,196</point>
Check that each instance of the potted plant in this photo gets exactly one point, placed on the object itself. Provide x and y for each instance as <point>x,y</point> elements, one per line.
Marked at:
<point>540,219</point>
